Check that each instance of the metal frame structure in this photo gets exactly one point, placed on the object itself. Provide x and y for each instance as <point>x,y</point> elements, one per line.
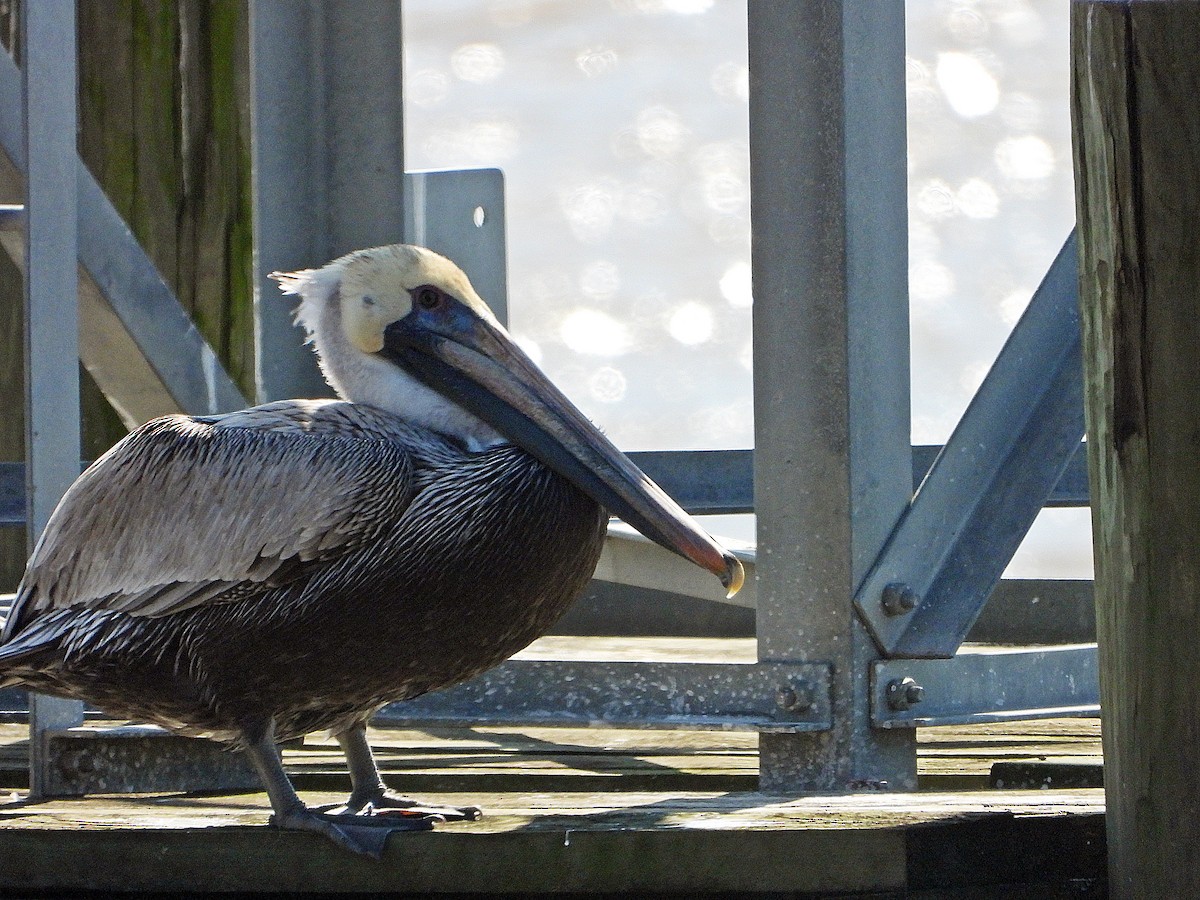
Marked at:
<point>51,336</point>
<point>874,557</point>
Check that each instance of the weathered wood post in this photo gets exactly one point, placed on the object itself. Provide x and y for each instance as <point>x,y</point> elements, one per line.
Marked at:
<point>1137,167</point>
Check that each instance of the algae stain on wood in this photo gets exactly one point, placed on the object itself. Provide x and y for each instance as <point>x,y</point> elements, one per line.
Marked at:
<point>169,140</point>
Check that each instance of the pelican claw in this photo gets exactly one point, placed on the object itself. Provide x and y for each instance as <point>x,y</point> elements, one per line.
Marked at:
<point>385,803</point>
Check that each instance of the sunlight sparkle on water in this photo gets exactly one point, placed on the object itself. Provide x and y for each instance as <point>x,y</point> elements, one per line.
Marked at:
<point>977,199</point>
<point>595,333</point>
<point>479,63</point>
<point>600,279</point>
<point>691,323</point>
<point>590,209</point>
<point>968,87</point>
<point>1025,158</point>
<point>660,132</point>
<point>607,385</point>
<point>736,285</point>
<point>930,281</point>
<point>595,61</point>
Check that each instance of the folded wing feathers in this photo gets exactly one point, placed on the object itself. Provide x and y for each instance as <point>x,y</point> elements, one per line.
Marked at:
<point>186,510</point>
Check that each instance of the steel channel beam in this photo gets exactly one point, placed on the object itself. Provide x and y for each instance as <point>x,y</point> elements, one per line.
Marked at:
<point>1020,612</point>
<point>632,559</point>
<point>327,142</point>
<point>986,686</point>
<point>988,484</point>
<point>712,482</point>
<point>51,322</point>
<point>1071,489</point>
<point>765,697</point>
<point>704,482</point>
<point>833,465</point>
<point>142,759</point>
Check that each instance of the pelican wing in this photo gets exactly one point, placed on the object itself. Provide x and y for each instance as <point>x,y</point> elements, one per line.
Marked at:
<point>186,511</point>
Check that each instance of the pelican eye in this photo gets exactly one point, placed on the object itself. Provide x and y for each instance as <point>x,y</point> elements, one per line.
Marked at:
<point>428,297</point>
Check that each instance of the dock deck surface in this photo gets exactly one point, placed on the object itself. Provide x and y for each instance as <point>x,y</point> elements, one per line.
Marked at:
<point>590,810</point>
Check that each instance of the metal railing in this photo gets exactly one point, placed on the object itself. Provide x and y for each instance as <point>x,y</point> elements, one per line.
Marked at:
<point>874,557</point>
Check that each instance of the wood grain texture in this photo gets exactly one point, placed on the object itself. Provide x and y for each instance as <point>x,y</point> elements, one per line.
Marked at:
<point>590,810</point>
<point>596,810</point>
<point>1137,164</point>
<point>165,129</point>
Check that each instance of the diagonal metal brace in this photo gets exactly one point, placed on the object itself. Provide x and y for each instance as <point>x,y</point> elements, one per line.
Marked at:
<point>136,339</point>
<point>994,475</point>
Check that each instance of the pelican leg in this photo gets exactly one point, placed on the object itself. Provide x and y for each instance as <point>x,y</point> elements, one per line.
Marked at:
<point>360,832</point>
<point>369,792</point>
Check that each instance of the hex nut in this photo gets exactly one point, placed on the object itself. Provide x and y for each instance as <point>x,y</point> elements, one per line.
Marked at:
<point>898,598</point>
<point>904,693</point>
<point>791,698</point>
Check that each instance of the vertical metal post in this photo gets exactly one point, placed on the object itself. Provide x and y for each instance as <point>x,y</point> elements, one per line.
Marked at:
<point>832,446</point>
<point>51,291</point>
<point>328,156</point>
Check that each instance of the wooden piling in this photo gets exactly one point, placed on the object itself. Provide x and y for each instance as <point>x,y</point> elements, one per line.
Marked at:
<point>1136,114</point>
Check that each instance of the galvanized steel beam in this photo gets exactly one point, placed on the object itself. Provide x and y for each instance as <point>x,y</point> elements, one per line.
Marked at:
<point>765,697</point>
<point>327,142</point>
<point>704,482</point>
<point>833,465</point>
<point>1071,489</point>
<point>141,759</point>
<point>988,484</point>
<point>986,685</point>
<point>51,323</point>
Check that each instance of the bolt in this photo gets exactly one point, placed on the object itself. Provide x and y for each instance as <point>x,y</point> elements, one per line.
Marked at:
<point>904,693</point>
<point>794,699</point>
<point>899,598</point>
<point>75,763</point>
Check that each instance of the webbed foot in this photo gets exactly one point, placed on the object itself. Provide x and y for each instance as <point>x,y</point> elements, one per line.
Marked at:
<point>363,831</point>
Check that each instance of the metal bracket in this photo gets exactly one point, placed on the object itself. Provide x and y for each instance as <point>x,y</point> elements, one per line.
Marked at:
<point>764,697</point>
<point>983,685</point>
<point>460,213</point>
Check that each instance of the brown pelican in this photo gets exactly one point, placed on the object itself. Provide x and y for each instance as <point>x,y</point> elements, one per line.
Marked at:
<point>293,567</point>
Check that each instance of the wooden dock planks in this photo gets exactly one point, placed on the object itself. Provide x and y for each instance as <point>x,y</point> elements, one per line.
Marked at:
<point>589,811</point>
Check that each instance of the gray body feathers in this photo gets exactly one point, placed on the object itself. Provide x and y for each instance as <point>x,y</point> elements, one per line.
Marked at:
<point>306,561</point>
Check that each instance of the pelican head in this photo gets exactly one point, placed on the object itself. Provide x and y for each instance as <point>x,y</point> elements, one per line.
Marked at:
<point>400,328</point>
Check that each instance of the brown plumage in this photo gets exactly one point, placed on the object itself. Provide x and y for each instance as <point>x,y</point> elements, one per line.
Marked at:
<point>295,566</point>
